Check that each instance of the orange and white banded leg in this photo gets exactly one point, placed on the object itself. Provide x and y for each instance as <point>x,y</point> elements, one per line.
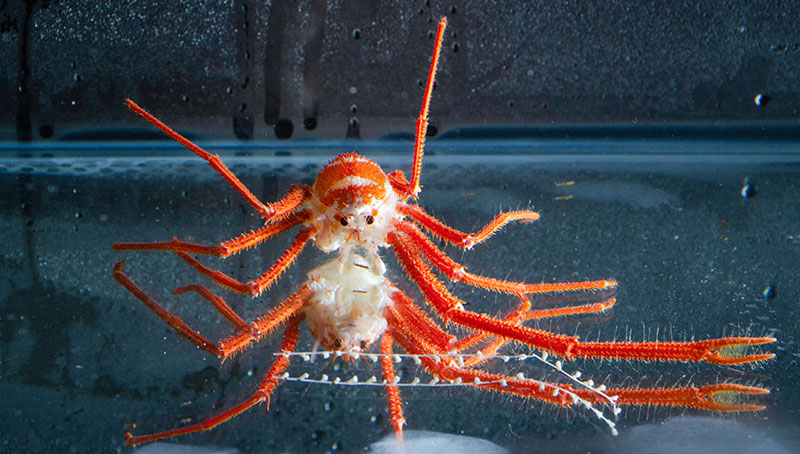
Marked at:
<point>296,197</point>
<point>719,351</point>
<point>257,286</point>
<point>263,393</point>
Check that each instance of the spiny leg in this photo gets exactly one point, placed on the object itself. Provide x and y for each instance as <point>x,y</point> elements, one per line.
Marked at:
<point>429,334</point>
<point>411,189</point>
<point>218,303</point>
<point>263,393</point>
<point>451,309</point>
<point>414,320</point>
<point>262,283</point>
<point>268,211</point>
<point>457,272</point>
<point>520,315</point>
<point>392,391</point>
<point>703,398</point>
<point>223,249</point>
<point>440,365</point>
<point>265,324</point>
<point>172,320</point>
<point>461,239</point>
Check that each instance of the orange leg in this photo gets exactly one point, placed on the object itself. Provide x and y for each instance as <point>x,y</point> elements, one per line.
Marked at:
<point>223,249</point>
<point>559,394</point>
<point>392,391</point>
<point>449,370</point>
<point>413,319</point>
<point>257,286</point>
<point>457,272</point>
<point>427,333</point>
<point>522,314</point>
<point>218,303</point>
<point>403,187</point>
<point>461,239</point>
<point>262,394</point>
<point>277,210</point>
<point>172,320</point>
<point>234,344</point>
<point>703,398</point>
<point>265,324</point>
<point>451,309</point>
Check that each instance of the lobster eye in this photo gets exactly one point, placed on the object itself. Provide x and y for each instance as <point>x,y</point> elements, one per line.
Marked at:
<point>343,221</point>
<point>370,219</point>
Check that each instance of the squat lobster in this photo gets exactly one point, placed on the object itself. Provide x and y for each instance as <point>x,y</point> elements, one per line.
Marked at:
<point>353,207</point>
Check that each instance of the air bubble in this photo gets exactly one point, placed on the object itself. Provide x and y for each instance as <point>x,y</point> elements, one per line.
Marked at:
<point>761,100</point>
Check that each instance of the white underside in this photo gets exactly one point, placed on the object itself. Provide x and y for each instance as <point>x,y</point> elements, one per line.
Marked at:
<point>345,311</point>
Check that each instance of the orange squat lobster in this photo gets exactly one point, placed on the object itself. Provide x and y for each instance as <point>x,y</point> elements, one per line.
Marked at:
<point>355,208</point>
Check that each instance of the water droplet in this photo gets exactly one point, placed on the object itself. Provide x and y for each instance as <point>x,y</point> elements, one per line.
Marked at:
<point>761,100</point>
<point>356,34</point>
<point>455,47</point>
<point>353,90</point>
<point>748,191</point>
<point>770,292</point>
<point>327,407</point>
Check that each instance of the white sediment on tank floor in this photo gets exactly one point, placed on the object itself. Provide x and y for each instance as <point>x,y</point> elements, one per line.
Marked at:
<point>425,442</point>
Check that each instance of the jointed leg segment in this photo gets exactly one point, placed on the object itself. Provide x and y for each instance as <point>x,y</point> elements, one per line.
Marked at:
<point>263,393</point>
<point>457,272</point>
<point>262,283</point>
<point>451,308</point>
<point>703,398</point>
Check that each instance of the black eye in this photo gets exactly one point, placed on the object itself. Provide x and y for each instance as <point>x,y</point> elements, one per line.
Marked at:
<point>370,220</point>
<point>343,221</point>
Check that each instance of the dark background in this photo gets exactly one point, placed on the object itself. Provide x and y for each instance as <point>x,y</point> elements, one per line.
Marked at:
<point>685,191</point>
<point>331,70</point>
